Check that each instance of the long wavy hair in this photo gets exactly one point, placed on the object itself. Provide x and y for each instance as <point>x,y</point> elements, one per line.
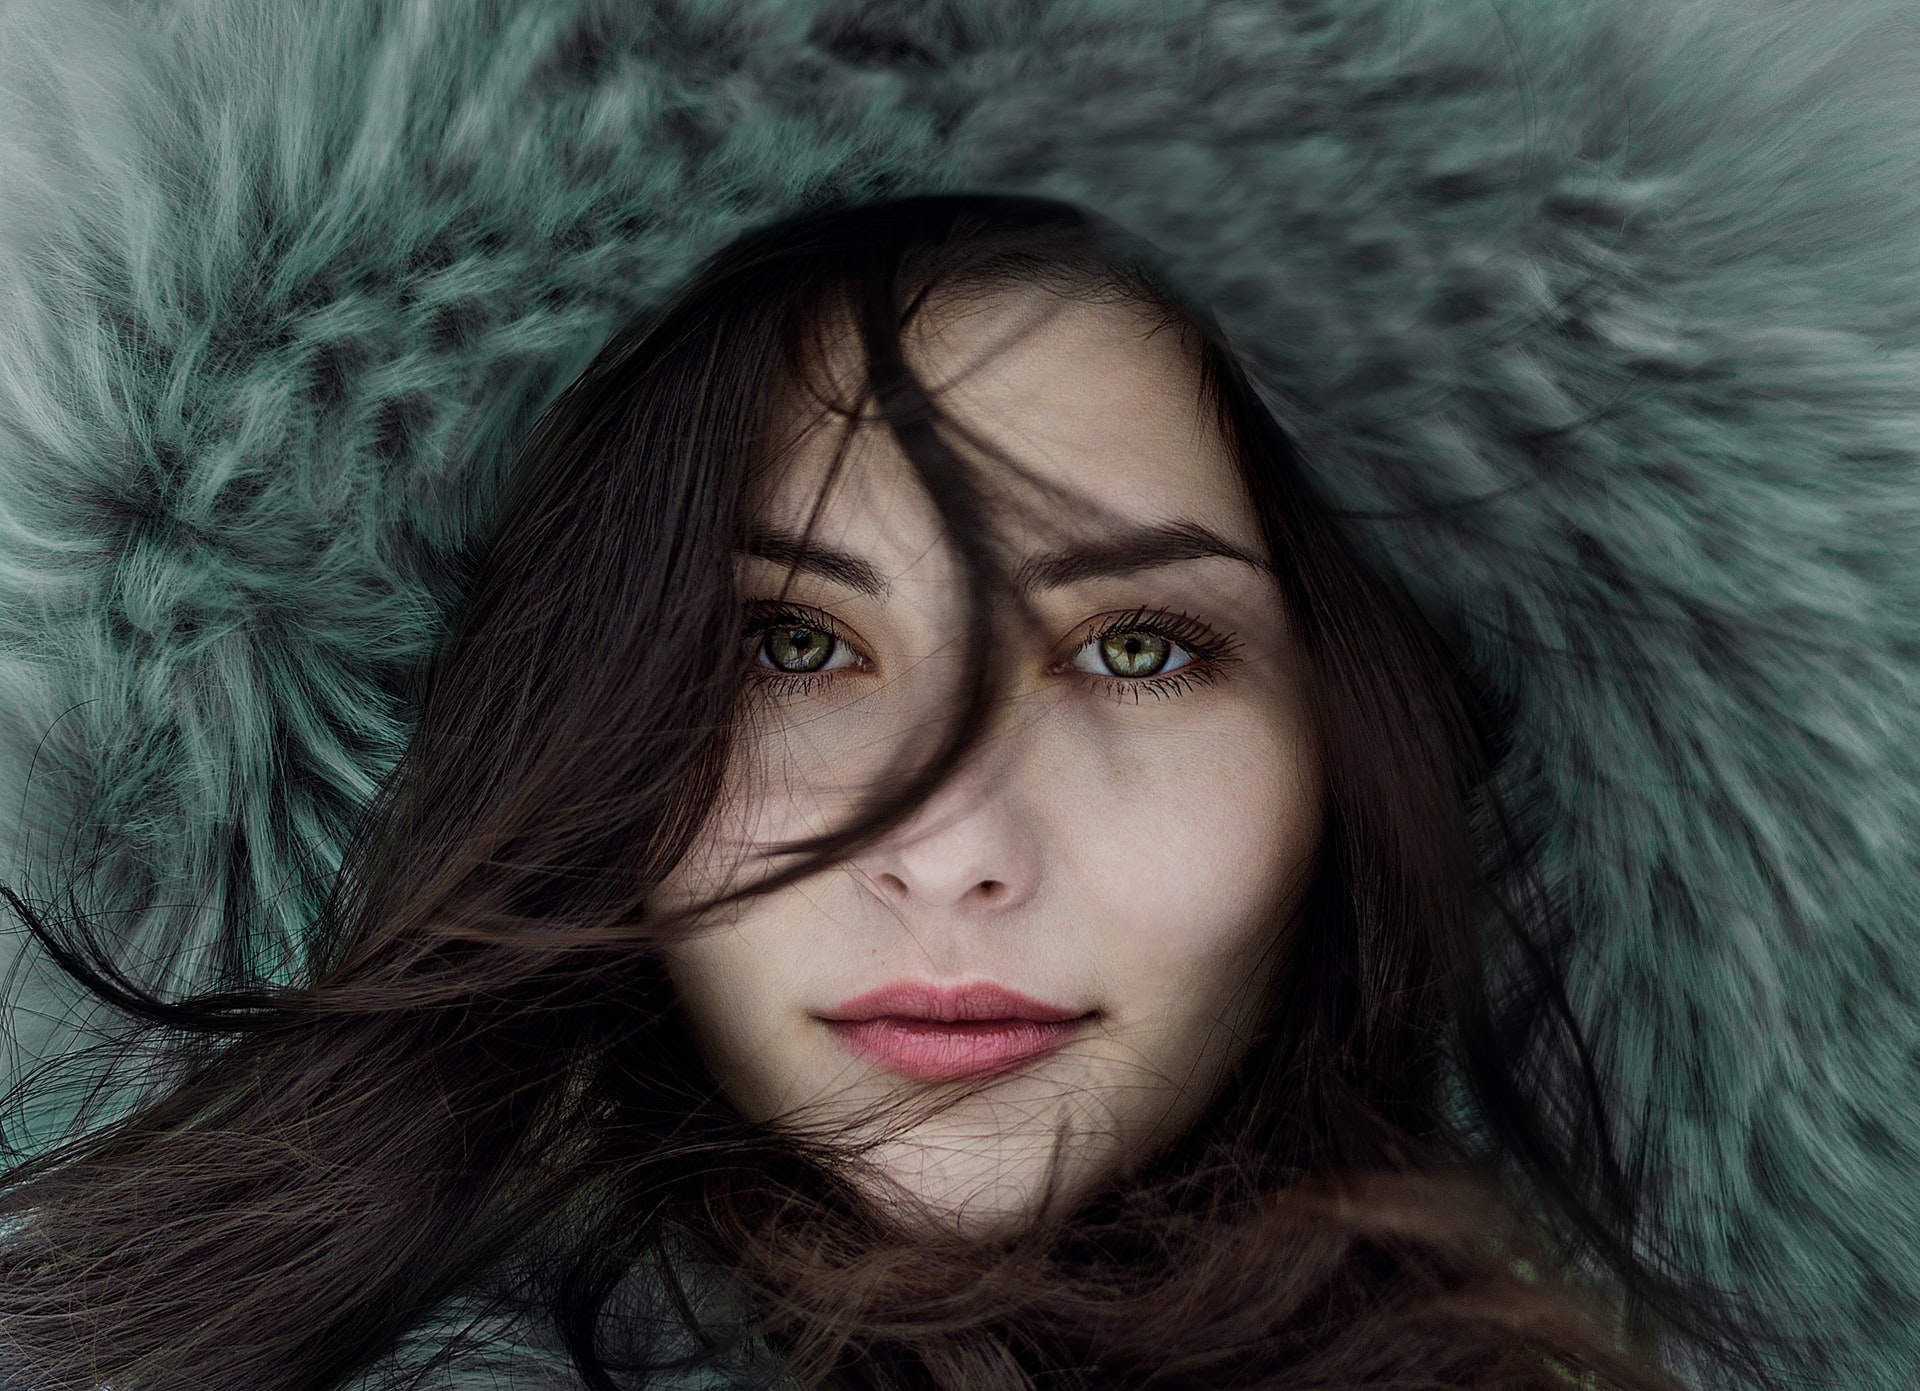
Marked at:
<point>479,1080</point>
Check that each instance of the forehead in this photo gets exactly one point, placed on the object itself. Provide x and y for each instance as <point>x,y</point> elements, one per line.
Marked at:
<point>1098,406</point>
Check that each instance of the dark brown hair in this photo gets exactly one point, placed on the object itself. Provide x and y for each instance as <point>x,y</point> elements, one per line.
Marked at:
<point>480,1079</point>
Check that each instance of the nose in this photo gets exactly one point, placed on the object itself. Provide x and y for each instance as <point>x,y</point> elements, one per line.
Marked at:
<point>968,847</point>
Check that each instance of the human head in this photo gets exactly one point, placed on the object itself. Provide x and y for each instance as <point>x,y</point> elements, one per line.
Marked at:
<point>635,505</point>
<point>485,1057</point>
<point>1124,845</point>
<point>602,652</point>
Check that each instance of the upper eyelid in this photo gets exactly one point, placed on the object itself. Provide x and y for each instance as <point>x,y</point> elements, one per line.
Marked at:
<point>763,614</point>
<point>767,613</point>
<point>1184,629</point>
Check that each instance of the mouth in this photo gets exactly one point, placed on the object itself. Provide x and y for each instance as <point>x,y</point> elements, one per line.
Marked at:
<point>933,1033</point>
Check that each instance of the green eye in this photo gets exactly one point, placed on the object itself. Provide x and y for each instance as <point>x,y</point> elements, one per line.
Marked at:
<point>797,649</point>
<point>1135,654</point>
<point>1139,647</point>
<point>784,645</point>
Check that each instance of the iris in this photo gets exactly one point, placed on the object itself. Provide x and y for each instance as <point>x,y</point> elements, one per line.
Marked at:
<point>1135,653</point>
<point>798,649</point>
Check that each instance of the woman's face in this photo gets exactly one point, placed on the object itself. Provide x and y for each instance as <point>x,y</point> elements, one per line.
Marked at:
<point>1072,942</point>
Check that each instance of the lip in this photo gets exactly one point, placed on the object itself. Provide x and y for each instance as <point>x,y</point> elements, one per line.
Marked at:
<point>933,1033</point>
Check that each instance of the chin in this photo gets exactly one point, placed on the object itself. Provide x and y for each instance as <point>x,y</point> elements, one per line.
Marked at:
<point>945,1191</point>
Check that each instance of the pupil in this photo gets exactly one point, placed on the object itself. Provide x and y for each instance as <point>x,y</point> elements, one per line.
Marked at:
<point>1135,654</point>
<point>798,649</point>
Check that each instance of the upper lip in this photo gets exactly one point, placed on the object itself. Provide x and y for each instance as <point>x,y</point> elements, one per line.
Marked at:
<point>915,999</point>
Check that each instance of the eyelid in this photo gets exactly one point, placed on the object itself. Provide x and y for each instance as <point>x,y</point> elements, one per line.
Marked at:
<point>1193,636</point>
<point>1209,653</point>
<point>763,615</point>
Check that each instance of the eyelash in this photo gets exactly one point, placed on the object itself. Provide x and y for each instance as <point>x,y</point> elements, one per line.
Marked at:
<point>762,620</point>
<point>1208,652</point>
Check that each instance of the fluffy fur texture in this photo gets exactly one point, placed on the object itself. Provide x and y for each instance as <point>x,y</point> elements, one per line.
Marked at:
<point>1602,317</point>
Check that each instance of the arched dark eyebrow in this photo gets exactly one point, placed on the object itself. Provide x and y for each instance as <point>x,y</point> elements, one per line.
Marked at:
<point>1124,552</point>
<point>790,549</point>
<point>1117,553</point>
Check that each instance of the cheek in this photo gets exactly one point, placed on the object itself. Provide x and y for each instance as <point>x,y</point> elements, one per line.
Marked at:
<point>783,787</point>
<point>725,969</point>
<point>1190,846</point>
<point>722,980</point>
<point>793,776</point>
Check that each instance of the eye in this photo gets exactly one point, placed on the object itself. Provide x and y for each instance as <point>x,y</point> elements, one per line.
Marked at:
<point>1152,653</point>
<point>798,648</point>
<point>1131,652</point>
<point>786,646</point>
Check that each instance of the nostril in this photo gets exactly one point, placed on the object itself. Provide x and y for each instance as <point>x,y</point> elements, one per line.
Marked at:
<point>935,886</point>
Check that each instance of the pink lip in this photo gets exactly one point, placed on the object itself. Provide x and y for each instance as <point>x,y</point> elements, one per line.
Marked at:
<point>933,1033</point>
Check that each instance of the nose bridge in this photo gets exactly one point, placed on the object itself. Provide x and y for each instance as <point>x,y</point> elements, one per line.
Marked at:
<point>964,796</point>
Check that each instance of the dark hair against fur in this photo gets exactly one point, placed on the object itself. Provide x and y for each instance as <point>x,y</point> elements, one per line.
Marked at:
<point>480,1078</point>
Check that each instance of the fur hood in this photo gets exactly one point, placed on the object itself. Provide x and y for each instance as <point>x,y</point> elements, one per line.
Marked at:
<point>1600,318</point>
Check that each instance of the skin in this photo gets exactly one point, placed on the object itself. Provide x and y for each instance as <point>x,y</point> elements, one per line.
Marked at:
<point>1129,848</point>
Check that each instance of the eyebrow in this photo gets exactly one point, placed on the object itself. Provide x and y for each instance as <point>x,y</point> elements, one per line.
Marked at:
<point>1118,553</point>
<point>794,551</point>
<point>1128,551</point>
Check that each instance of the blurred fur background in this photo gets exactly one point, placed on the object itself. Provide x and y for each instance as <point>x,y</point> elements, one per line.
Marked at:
<point>1601,318</point>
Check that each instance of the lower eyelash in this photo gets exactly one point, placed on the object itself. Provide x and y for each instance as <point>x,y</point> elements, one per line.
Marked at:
<point>1198,672</point>
<point>1209,652</point>
<point>787,682</point>
<point>763,619</point>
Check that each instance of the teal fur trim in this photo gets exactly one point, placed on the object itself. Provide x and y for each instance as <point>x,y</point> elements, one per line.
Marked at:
<point>1602,317</point>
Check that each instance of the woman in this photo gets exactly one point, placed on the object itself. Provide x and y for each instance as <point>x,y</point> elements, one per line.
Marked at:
<point>922,819</point>
<point>1593,319</point>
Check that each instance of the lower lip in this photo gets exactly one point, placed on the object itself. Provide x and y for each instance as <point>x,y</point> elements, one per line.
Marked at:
<point>933,1050</point>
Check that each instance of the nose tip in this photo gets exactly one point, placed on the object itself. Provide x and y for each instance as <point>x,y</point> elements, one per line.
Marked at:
<point>981,863</point>
<point>984,893</point>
